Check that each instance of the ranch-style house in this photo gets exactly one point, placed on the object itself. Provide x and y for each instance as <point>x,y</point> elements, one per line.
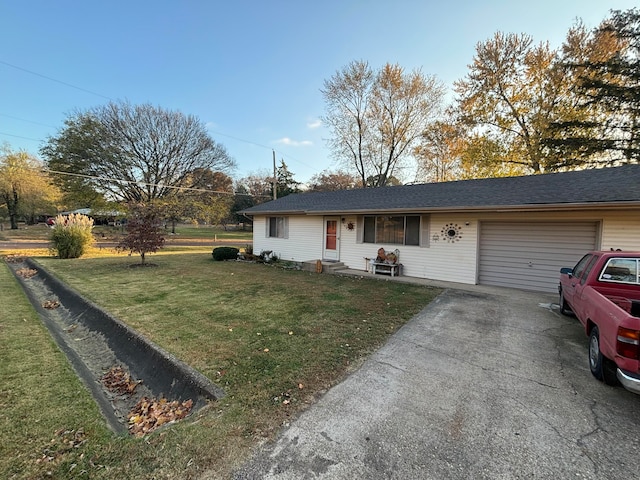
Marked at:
<point>511,232</point>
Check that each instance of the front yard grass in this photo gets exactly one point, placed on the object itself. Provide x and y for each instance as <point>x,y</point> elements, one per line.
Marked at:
<point>272,339</point>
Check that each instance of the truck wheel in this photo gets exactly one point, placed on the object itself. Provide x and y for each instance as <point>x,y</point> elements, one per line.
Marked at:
<point>564,308</point>
<point>601,367</point>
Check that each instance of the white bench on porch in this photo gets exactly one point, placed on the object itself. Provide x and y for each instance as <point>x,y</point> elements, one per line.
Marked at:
<point>390,265</point>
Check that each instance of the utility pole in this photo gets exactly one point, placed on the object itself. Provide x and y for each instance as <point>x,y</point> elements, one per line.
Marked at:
<point>275,178</point>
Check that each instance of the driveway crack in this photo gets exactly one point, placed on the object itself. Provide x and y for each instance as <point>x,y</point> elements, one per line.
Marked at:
<point>392,366</point>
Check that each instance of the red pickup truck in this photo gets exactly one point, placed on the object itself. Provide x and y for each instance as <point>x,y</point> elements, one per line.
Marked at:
<point>603,291</point>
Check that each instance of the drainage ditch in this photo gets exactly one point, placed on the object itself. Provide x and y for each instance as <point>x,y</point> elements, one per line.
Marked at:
<point>98,344</point>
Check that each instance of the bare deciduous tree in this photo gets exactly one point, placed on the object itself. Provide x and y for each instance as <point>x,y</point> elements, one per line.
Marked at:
<point>328,181</point>
<point>135,153</point>
<point>376,117</point>
<point>258,185</point>
<point>439,152</point>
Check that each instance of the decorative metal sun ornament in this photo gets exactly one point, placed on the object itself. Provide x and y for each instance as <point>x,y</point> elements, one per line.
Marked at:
<point>451,232</point>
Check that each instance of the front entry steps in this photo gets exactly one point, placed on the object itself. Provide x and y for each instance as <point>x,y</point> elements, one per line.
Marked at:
<point>327,266</point>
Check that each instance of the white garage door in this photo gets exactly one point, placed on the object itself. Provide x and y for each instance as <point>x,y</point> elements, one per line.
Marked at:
<point>529,255</point>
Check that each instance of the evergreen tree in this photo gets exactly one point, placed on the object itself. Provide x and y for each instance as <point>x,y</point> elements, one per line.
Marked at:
<point>285,181</point>
<point>608,89</point>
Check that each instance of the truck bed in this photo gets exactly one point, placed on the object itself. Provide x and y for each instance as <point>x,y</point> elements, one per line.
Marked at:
<point>629,305</point>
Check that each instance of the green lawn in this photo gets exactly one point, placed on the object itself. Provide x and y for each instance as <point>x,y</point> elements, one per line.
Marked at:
<point>25,232</point>
<point>273,339</point>
<point>41,398</point>
<point>210,233</point>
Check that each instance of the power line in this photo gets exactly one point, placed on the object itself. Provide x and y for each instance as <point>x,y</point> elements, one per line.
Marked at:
<point>240,139</point>
<point>109,98</point>
<point>25,120</point>
<point>211,131</point>
<point>266,147</point>
<point>54,80</point>
<point>18,136</point>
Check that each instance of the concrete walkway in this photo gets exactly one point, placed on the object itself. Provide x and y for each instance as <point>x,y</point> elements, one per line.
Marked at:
<point>485,383</point>
<point>421,281</point>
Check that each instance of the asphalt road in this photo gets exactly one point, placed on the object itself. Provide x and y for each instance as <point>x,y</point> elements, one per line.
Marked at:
<point>37,244</point>
<point>488,384</point>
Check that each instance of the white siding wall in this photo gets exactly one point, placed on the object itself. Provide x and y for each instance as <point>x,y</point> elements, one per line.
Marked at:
<point>259,240</point>
<point>441,260</point>
<point>621,230</point>
<point>351,253</point>
<point>444,260</point>
<point>304,241</point>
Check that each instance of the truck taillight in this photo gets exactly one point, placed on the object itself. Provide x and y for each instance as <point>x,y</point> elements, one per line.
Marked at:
<point>628,342</point>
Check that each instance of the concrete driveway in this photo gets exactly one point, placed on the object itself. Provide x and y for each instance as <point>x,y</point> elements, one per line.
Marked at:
<point>484,384</point>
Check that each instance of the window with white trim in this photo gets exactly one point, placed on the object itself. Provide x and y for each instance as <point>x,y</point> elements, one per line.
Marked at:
<point>395,229</point>
<point>277,227</point>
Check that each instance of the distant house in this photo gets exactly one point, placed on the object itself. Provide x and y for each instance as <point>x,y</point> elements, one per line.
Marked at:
<point>513,232</point>
<point>100,217</point>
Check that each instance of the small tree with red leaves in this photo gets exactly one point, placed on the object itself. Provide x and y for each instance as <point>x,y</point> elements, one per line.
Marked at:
<point>144,231</point>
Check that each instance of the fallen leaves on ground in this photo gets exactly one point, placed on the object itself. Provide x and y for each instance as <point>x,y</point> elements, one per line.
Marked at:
<point>63,442</point>
<point>118,380</point>
<point>26,272</point>
<point>149,414</point>
<point>285,398</point>
<point>51,304</point>
<point>11,258</point>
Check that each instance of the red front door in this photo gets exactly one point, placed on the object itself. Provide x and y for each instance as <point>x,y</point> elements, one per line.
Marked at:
<point>331,250</point>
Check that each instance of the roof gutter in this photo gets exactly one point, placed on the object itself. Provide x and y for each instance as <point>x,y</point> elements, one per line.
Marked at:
<point>277,212</point>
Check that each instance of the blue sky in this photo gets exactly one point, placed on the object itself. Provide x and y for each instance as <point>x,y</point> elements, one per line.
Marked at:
<point>250,70</point>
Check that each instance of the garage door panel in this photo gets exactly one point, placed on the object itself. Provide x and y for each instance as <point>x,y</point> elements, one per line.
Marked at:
<point>521,272</point>
<point>530,262</point>
<point>515,276</point>
<point>514,281</point>
<point>518,257</point>
<point>530,255</point>
<point>507,241</point>
<point>545,230</point>
<point>527,240</point>
<point>538,252</point>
